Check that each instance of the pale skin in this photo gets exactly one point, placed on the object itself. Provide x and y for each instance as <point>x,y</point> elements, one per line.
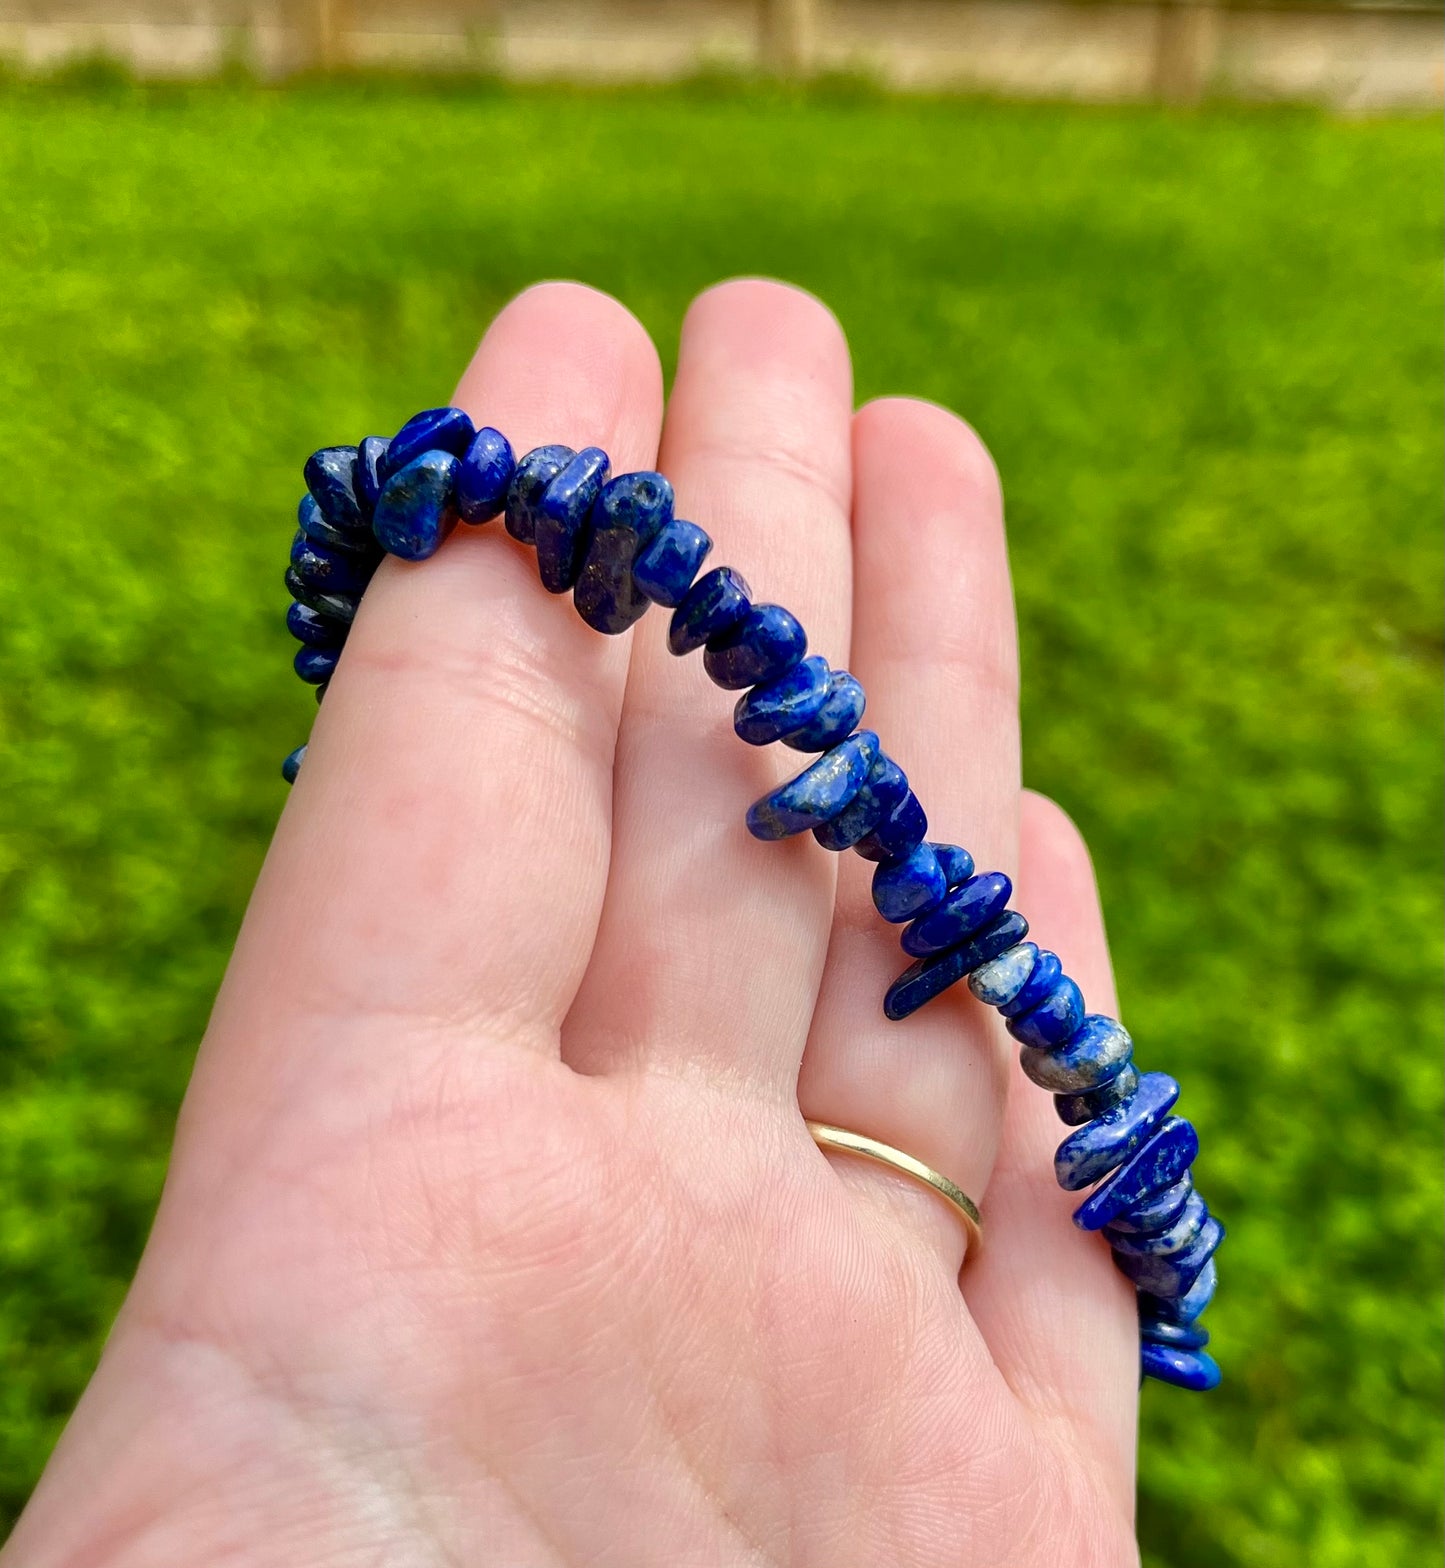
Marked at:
<point>493,1232</point>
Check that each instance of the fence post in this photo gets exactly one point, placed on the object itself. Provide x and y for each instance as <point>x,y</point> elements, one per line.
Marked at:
<point>788,36</point>
<point>1186,41</point>
<point>322,25</point>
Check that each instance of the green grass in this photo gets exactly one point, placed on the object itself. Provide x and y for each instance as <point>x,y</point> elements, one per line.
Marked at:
<point>1205,351</point>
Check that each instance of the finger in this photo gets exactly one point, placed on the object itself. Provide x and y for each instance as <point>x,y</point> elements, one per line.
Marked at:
<point>934,644</point>
<point>443,855</point>
<point>711,943</point>
<point>1041,1288</point>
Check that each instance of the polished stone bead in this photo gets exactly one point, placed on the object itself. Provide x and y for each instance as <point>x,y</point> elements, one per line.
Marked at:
<point>968,908</point>
<point>316,631</point>
<point>639,503</point>
<point>529,482</point>
<point>837,716</point>
<point>605,594</point>
<point>417,509</point>
<point>1047,972</point>
<point>291,764</point>
<point>766,643</point>
<point>1053,1021</point>
<point>331,571</point>
<point>908,887</point>
<point>1163,1243</point>
<point>1186,1308</point>
<point>930,976</point>
<point>899,832</point>
<point>484,475</point>
<point>1084,1156</point>
<point>1195,1370</point>
<point>1076,1109</point>
<point>315,665</point>
<point>957,864</point>
<point>628,515</point>
<point>1097,1052</point>
<point>1159,1162</point>
<point>335,606</point>
<point>884,787</point>
<point>818,793</point>
<point>767,713</point>
<point>564,514</point>
<point>432,430</point>
<point>319,528</point>
<point>717,600</point>
<point>330,474</point>
<point>667,567</point>
<point>1157,1210</point>
<point>1171,1276</point>
<point>367,480</point>
<point>1001,980</point>
<point>1185,1336</point>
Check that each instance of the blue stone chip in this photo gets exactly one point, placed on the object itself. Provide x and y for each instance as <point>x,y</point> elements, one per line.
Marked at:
<point>330,475</point>
<point>529,482</point>
<point>417,509</point>
<point>629,513</point>
<point>1084,1156</point>
<point>837,716</point>
<point>818,793</point>
<point>930,976</point>
<point>1158,1210</point>
<point>883,789</point>
<point>1097,1052</point>
<point>1170,1276</point>
<point>903,889</point>
<point>315,665</point>
<point>486,471</point>
<point>667,567</point>
<point>968,908</point>
<point>957,864</point>
<point>769,712</point>
<point>1054,1020</point>
<point>432,430</point>
<point>1195,1370</point>
<point>564,518</point>
<point>366,479</point>
<point>716,601</point>
<point>1188,1307</point>
<point>1159,1163</point>
<point>334,606</point>
<point>1002,979</point>
<point>316,631</point>
<point>766,643</point>
<point>1075,1109</point>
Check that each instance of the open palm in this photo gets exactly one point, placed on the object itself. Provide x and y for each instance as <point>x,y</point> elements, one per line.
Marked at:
<point>494,1233</point>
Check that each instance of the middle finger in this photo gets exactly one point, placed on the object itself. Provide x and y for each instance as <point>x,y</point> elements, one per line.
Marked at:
<point>711,943</point>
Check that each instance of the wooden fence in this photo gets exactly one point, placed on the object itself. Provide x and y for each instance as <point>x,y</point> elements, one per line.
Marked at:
<point>1358,56</point>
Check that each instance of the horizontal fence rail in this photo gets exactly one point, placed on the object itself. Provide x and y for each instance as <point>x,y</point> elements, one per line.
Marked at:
<point>1351,56</point>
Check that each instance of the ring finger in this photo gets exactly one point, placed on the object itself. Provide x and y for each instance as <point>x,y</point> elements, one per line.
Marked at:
<point>934,645</point>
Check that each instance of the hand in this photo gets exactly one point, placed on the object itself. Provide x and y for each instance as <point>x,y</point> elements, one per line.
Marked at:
<point>493,1232</point>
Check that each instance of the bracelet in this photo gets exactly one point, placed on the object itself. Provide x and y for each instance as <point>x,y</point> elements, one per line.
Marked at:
<point>614,543</point>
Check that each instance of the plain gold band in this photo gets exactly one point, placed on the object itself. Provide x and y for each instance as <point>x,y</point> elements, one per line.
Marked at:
<point>845,1142</point>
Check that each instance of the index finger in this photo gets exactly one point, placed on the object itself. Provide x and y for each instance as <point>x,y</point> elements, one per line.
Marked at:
<point>443,856</point>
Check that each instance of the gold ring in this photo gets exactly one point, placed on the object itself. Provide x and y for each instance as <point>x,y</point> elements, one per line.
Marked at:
<point>845,1142</point>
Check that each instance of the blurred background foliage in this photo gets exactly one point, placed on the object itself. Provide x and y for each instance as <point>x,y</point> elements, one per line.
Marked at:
<point>1204,348</point>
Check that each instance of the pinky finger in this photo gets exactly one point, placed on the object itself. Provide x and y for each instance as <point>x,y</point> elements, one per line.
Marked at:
<point>1059,1319</point>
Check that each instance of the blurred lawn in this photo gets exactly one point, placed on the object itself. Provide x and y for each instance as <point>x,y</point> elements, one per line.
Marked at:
<point>1206,353</point>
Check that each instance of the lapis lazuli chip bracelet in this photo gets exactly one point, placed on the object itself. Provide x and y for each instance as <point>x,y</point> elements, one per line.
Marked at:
<point>613,542</point>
